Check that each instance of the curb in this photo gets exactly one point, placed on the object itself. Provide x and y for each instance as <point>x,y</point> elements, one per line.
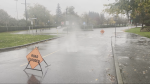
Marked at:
<point>118,74</point>
<point>10,48</point>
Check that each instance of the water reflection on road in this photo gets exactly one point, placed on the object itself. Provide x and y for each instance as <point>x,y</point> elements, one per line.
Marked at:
<point>79,57</point>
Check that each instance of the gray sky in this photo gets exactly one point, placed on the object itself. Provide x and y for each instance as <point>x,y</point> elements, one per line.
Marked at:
<point>81,6</point>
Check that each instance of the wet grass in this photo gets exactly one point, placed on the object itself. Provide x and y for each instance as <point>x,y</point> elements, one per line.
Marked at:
<point>137,31</point>
<point>9,40</point>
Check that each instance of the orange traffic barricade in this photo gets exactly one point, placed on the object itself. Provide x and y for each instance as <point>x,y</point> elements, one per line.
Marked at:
<point>102,31</point>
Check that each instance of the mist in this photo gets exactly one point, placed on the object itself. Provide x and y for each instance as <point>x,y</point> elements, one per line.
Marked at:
<point>81,6</point>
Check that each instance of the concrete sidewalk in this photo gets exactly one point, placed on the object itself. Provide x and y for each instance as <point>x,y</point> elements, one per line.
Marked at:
<point>134,57</point>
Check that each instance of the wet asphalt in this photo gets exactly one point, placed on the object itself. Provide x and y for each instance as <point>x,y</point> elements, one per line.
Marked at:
<point>77,57</point>
<point>134,58</point>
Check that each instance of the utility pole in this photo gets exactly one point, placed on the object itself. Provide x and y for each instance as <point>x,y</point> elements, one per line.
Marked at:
<point>26,13</point>
<point>31,19</point>
<point>16,9</point>
<point>66,19</point>
<point>115,30</point>
<point>17,14</point>
<point>115,24</point>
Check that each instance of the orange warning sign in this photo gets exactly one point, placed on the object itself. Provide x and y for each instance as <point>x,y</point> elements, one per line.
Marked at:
<point>34,57</point>
<point>102,31</point>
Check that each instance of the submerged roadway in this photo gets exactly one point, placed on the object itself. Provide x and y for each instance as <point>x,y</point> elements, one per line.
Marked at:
<point>79,57</point>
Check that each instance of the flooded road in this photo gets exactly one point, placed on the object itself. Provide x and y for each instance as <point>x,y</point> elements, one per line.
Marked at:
<point>79,57</point>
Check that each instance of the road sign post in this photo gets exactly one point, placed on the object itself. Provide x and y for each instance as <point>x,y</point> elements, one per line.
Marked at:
<point>31,19</point>
<point>67,24</point>
<point>84,23</point>
<point>34,58</point>
<point>131,23</point>
<point>116,17</point>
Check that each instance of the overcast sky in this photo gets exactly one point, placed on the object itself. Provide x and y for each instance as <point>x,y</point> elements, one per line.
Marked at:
<point>81,6</point>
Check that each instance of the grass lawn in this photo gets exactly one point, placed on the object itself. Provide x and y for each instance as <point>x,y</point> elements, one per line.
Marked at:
<point>137,31</point>
<point>10,40</point>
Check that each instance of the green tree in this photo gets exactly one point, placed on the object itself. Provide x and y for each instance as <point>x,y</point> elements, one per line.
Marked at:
<point>111,21</point>
<point>70,10</point>
<point>72,16</point>
<point>102,19</point>
<point>6,20</point>
<point>4,17</point>
<point>142,11</point>
<point>58,15</point>
<point>41,14</point>
<point>132,8</point>
<point>86,18</point>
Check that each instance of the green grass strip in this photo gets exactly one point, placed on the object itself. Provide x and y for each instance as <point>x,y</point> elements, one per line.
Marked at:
<point>11,40</point>
<point>137,31</point>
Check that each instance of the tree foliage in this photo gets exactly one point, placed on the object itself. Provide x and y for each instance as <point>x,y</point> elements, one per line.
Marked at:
<point>7,20</point>
<point>58,15</point>
<point>39,12</point>
<point>132,8</point>
<point>42,17</point>
<point>72,16</point>
<point>4,17</point>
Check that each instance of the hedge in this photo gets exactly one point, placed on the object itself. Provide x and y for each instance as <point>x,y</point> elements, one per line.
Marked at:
<point>5,29</point>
